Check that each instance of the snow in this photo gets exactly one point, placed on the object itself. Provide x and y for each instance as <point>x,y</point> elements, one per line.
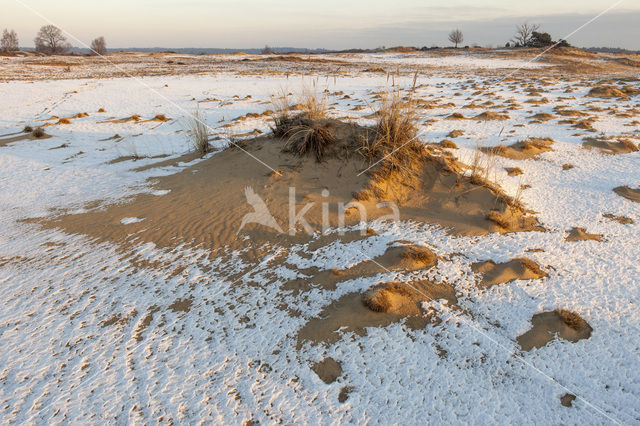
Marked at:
<point>232,357</point>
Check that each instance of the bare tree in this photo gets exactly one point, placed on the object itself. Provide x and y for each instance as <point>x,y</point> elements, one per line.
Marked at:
<point>99,46</point>
<point>9,42</point>
<point>267,50</point>
<point>456,37</point>
<point>50,40</point>
<point>524,32</point>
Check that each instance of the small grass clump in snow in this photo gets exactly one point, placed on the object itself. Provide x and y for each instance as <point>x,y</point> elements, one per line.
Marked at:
<point>198,133</point>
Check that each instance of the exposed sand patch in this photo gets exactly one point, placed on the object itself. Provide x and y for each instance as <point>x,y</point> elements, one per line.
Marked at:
<point>628,193</point>
<point>501,273</point>
<point>527,149</point>
<point>350,314</point>
<point>567,400</point>
<point>622,146</point>
<point>344,393</point>
<point>564,324</point>
<point>490,115</point>
<point>328,370</point>
<point>181,305</point>
<point>407,257</point>
<point>580,234</point>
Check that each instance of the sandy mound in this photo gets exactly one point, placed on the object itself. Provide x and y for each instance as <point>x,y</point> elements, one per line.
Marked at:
<point>447,143</point>
<point>396,258</point>
<point>546,325</point>
<point>628,193</point>
<point>393,303</point>
<point>542,116</point>
<point>522,150</point>
<point>622,146</point>
<point>623,220</point>
<point>500,273</point>
<point>28,134</point>
<point>490,115</point>
<point>612,92</point>
<point>580,234</point>
<point>207,203</point>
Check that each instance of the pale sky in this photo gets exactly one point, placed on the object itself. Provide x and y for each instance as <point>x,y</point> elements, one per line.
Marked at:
<point>331,24</point>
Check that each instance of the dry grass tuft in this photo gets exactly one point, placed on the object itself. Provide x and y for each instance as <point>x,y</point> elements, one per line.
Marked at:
<point>312,105</point>
<point>447,143</point>
<point>531,266</point>
<point>417,253</point>
<point>572,319</point>
<point>395,144</point>
<point>38,132</point>
<point>198,133</point>
<point>308,137</point>
<point>27,129</point>
<point>379,299</point>
<point>64,121</point>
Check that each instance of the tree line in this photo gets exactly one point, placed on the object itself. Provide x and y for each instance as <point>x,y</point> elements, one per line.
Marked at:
<point>51,40</point>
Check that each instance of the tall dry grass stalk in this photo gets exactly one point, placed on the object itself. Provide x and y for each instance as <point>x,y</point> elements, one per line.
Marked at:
<point>312,104</point>
<point>198,132</point>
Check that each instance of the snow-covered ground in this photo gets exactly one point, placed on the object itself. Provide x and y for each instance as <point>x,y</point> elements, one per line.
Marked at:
<point>88,334</point>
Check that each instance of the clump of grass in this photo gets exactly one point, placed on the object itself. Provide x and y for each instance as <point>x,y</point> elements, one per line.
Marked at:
<point>160,117</point>
<point>311,107</point>
<point>483,166</point>
<point>282,116</point>
<point>64,121</point>
<point>38,132</point>
<point>27,129</point>
<point>419,254</point>
<point>198,133</point>
<point>572,319</point>
<point>308,137</point>
<point>380,298</point>
<point>395,144</point>
<point>532,266</point>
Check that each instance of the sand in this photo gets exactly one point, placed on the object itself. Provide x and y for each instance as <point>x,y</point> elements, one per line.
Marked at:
<point>580,234</point>
<point>207,202</point>
<point>350,312</point>
<point>628,193</point>
<point>546,325</point>
<point>527,149</point>
<point>500,273</point>
<point>622,146</point>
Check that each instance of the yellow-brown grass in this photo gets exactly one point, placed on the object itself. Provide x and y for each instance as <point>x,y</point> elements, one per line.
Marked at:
<point>308,137</point>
